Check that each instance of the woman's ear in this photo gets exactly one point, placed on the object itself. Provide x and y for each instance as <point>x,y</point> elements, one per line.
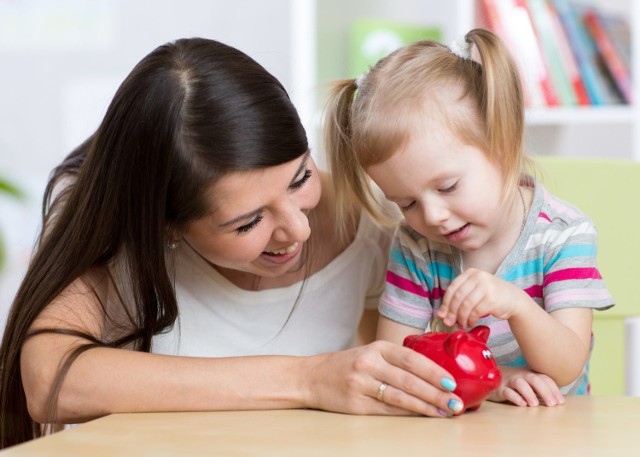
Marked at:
<point>173,237</point>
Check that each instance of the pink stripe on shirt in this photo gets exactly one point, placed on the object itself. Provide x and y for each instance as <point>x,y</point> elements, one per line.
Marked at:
<point>568,274</point>
<point>406,285</point>
<point>534,291</point>
<point>576,295</point>
<point>499,327</point>
<point>544,216</point>
<point>407,309</point>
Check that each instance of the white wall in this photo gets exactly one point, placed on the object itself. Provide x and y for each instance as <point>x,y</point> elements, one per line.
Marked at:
<point>61,61</point>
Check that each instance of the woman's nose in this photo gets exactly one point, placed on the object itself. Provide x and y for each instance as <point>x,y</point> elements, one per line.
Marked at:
<point>293,224</point>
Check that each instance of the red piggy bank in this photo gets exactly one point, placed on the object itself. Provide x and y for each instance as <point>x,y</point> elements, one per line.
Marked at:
<point>466,356</point>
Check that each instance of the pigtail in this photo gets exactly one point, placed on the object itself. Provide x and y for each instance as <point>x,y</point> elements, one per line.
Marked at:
<point>502,104</point>
<point>350,181</point>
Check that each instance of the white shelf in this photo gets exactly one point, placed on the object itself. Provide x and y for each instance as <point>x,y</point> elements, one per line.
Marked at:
<point>600,115</point>
<point>588,131</point>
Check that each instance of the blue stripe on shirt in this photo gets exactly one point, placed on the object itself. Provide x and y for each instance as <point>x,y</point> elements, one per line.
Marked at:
<point>576,250</point>
<point>436,269</point>
<point>523,269</point>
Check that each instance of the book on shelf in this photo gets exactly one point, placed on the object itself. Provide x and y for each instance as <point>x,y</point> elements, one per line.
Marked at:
<point>617,26</point>
<point>552,52</point>
<point>614,62</point>
<point>567,53</point>
<point>372,39</point>
<point>568,57</point>
<point>596,79</point>
<point>510,20</point>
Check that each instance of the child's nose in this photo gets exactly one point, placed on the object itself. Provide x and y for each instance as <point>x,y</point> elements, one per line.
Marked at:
<point>434,213</point>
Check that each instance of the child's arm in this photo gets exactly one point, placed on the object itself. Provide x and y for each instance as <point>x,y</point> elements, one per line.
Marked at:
<point>520,386</point>
<point>556,344</point>
<point>395,332</point>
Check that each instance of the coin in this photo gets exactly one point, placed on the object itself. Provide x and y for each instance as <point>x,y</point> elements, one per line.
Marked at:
<point>438,325</point>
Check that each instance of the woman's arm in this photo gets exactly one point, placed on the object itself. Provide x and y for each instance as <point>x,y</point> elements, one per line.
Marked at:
<point>367,327</point>
<point>105,380</point>
<point>395,332</point>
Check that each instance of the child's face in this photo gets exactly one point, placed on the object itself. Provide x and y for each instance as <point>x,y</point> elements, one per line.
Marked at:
<point>448,191</point>
<point>259,220</point>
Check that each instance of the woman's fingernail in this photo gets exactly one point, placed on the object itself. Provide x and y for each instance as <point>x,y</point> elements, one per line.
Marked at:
<point>449,384</point>
<point>485,316</point>
<point>444,413</point>
<point>454,405</point>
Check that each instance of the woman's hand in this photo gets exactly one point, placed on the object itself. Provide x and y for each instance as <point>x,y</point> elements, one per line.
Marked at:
<point>349,382</point>
<point>524,387</point>
<point>477,293</point>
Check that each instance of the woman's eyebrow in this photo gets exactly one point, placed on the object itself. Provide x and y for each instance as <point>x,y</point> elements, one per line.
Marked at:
<point>253,214</point>
<point>242,217</point>
<point>305,159</point>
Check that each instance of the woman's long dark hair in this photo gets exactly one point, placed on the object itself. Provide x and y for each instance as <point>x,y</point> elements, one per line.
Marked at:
<point>189,112</point>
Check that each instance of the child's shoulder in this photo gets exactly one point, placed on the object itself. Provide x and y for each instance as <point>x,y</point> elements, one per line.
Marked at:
<point>556,211</point>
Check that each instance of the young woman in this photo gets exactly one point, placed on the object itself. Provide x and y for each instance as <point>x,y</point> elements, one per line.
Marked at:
<point>189,262</point>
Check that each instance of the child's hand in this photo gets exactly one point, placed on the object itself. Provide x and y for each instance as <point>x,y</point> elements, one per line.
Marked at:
<point>475,294</point>
<point>524,387</point>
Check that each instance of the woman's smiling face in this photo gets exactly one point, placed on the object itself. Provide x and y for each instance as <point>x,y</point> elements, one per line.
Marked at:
<point>258,223</point>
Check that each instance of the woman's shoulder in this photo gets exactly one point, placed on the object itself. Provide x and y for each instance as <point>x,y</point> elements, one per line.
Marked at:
<point>80,305</point>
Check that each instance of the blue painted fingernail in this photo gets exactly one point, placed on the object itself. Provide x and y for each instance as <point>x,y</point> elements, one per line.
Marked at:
<point>448,384</point>
<point>454,405</point>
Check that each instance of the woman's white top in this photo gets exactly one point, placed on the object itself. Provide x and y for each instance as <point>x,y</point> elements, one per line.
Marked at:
<point>218,319</point>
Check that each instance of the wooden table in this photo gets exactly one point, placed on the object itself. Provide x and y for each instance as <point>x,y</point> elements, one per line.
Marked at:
<point>584,426</point>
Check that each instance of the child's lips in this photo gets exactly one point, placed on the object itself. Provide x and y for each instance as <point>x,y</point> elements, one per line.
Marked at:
<point>458,234</point>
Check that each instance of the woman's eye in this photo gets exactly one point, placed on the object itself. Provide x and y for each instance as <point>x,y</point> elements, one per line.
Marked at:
<point>299,183</point>
<point>250,226</point>
<point>407,207</point>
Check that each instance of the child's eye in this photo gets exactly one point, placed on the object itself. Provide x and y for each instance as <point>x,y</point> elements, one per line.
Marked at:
<point>250,226</point>
<point>299,183</point>
<point>449,189</point>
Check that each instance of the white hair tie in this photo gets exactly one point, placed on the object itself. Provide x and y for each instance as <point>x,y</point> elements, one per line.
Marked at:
<point>359,80</point>
<point>461,48</point>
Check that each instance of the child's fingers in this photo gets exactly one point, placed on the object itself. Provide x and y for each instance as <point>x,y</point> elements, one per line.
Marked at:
<point>442,311</point>
<point>514,397</point>
<point>547,390</point>
<point>525,390</point>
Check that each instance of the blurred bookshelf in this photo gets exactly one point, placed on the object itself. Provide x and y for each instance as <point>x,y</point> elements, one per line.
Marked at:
<point>598,39</point>
<point>604,126</point>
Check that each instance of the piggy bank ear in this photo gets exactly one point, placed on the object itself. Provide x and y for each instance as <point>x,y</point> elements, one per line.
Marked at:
<point>481,332</point>
<point>453,343</point>
<point>409,341</point>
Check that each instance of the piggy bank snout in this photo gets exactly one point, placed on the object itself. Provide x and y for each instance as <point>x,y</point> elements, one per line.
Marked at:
<point>492,379</point>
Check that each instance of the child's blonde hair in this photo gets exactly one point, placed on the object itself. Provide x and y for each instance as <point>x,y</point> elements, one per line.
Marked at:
<point>480,101</point>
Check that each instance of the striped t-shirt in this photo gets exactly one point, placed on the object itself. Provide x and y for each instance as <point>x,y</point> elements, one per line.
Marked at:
<point>554,261</point>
